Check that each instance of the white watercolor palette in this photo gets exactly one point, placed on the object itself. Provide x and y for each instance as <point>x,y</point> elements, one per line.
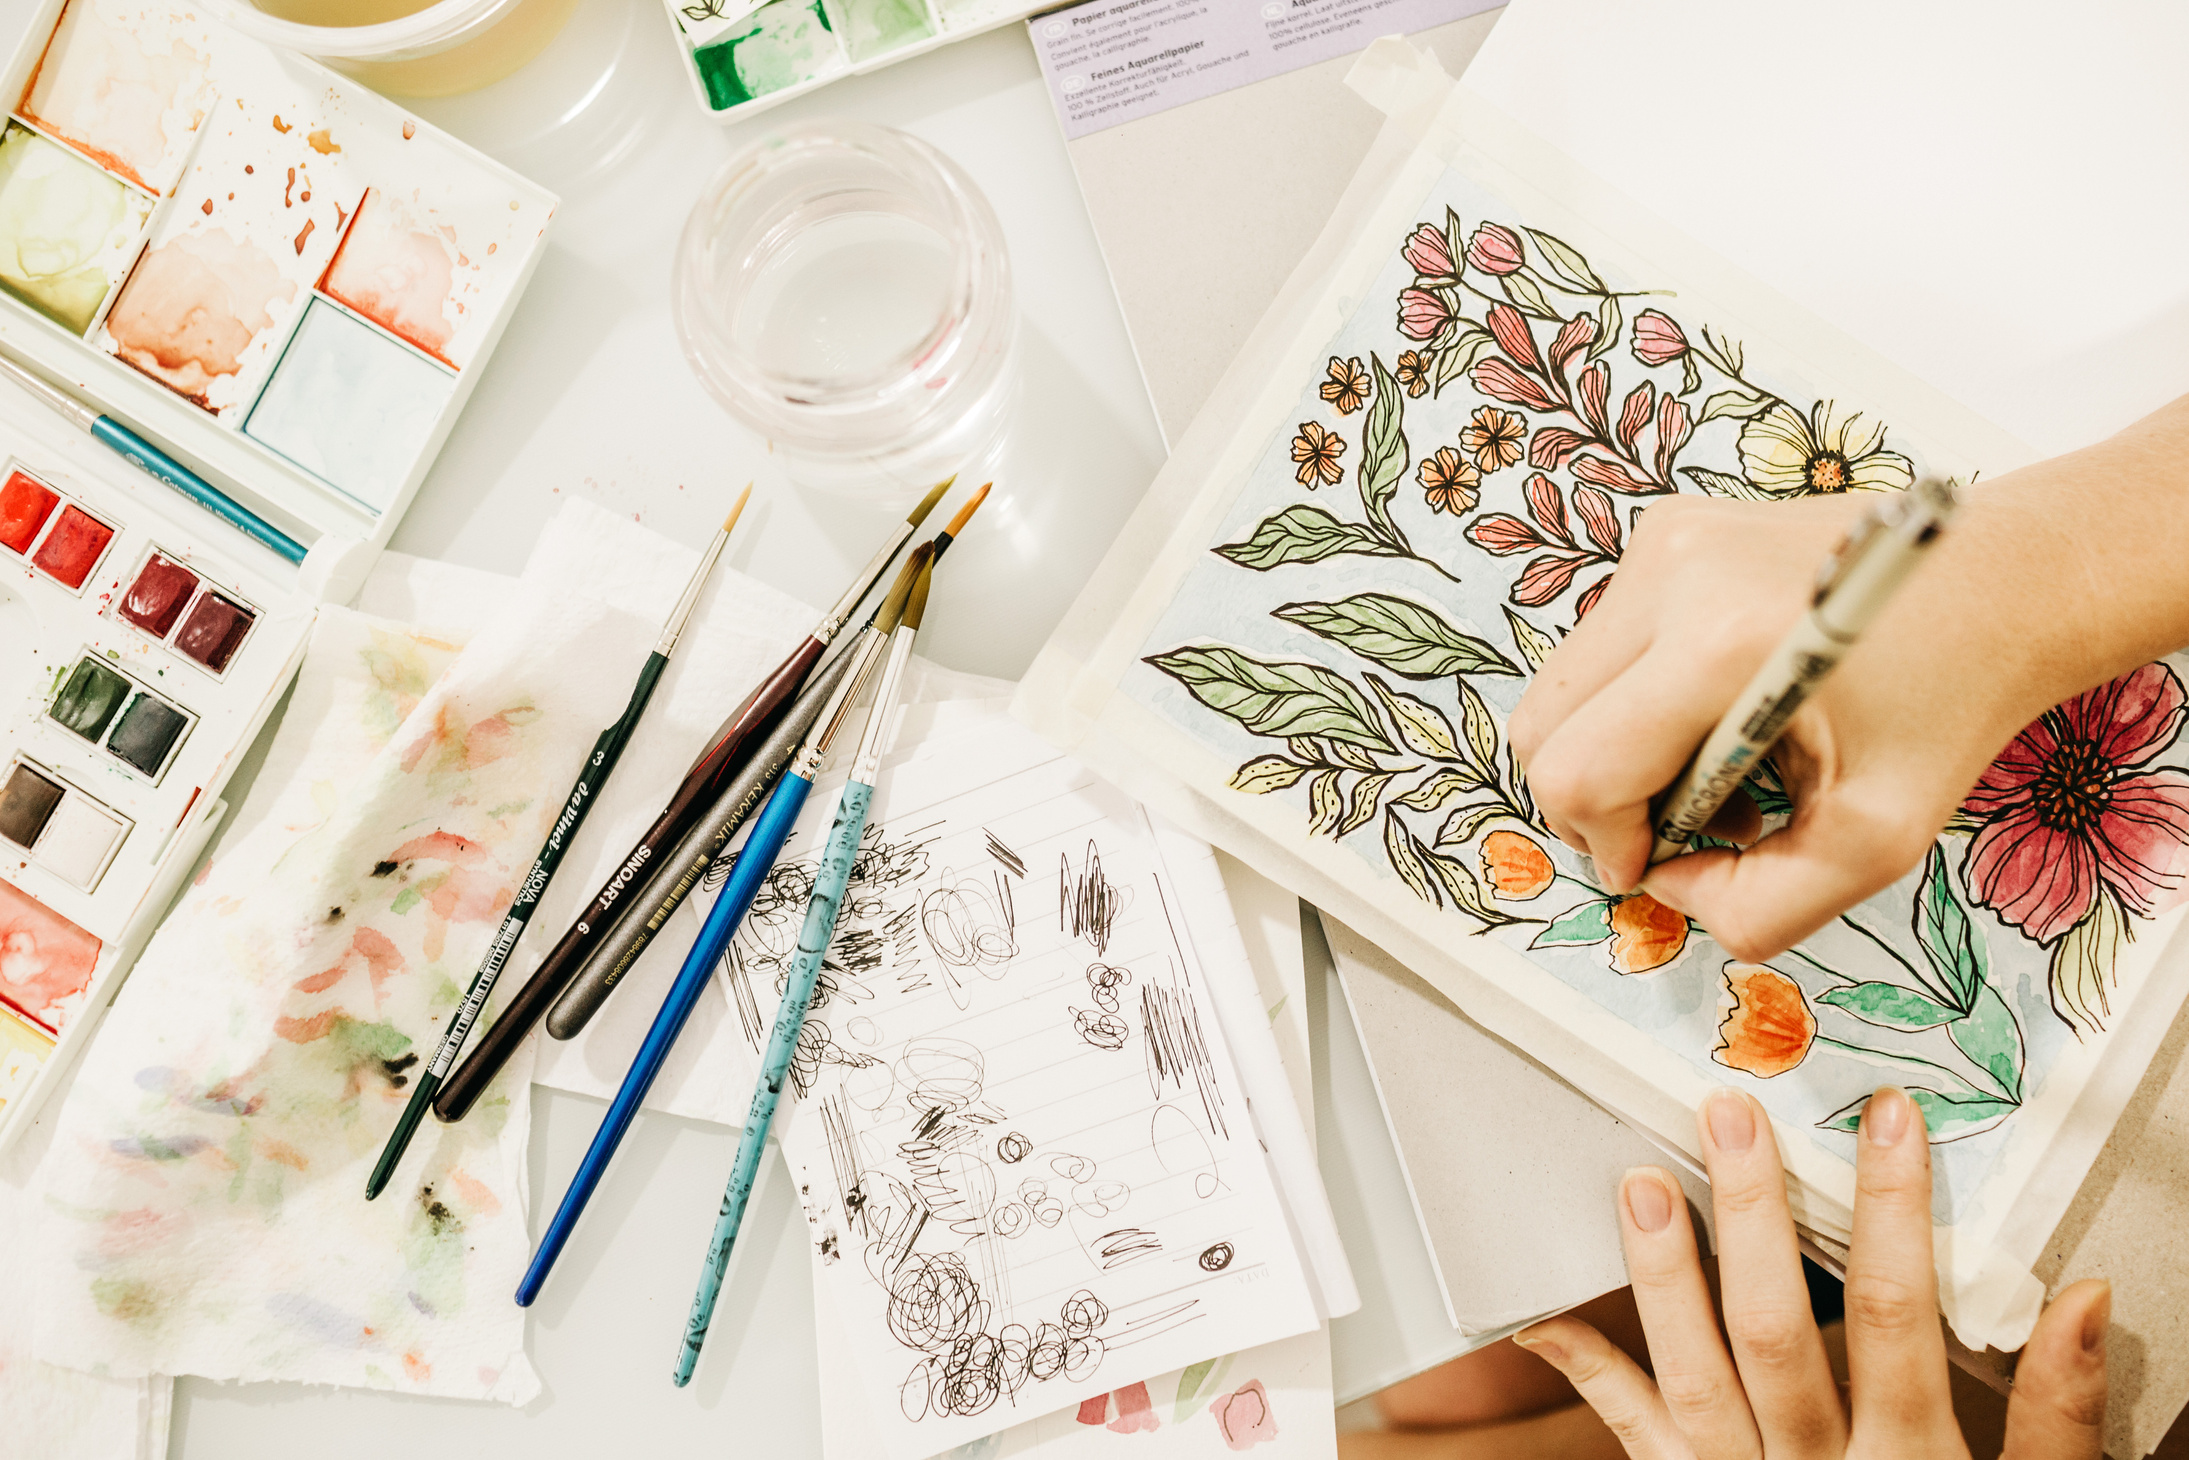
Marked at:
<point>138,659</point>
<point>742,58</point>
<point>252,259</point>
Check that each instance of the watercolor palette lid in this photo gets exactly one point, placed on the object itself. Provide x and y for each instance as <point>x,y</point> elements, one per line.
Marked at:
<point>278,275</point>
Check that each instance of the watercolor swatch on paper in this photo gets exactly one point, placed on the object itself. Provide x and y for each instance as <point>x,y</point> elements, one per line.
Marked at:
<point>66,228</point>
<point>119,85</point>
<point>350,405</point>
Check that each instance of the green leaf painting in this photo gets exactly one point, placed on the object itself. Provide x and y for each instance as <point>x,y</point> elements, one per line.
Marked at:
<point>1404,636</point>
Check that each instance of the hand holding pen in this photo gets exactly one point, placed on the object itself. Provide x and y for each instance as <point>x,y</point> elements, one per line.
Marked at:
<point>1706,595</point>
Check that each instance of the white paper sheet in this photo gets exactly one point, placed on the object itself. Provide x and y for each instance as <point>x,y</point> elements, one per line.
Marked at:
<point>1206,1402</point>
<point>986,1141</point>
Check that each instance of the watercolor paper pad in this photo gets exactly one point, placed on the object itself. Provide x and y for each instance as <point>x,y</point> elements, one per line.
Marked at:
<point>350,405</point>
<point>249,1072</point>
<point>67,230</point>
<point>1569,1004</point>
<point>128,83</point>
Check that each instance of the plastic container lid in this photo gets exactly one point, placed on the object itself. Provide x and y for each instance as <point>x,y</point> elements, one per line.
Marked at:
<point>438,27</point>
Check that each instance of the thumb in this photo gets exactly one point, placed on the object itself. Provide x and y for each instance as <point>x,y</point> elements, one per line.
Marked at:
<point>1762,901</point>
<point>2058,1408</point>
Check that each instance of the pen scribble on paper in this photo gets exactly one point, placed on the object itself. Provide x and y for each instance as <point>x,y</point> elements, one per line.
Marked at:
<point>1007,859</point>
<point>1178,1052</point>
<point>1087,903</point>
<point>1215,1257</point>
<point>941,1127</point>
<point>1124,1245</point>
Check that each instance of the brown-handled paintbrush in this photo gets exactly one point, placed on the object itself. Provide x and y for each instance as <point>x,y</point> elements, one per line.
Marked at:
<point>706,842</point>
<point>724,757</point>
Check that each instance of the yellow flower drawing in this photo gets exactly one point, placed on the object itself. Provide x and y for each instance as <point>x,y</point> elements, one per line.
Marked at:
<point>1786,454</point>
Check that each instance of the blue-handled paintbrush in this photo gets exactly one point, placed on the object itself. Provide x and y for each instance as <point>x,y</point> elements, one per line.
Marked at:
<point>770,830</point>
<point>829,884</point>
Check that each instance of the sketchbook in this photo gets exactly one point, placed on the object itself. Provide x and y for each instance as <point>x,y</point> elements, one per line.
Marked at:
<point>1422,470</point>
<point>1029,1162</point>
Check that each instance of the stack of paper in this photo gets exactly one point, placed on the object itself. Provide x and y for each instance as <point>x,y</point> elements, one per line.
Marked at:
<point>1042,1135</point>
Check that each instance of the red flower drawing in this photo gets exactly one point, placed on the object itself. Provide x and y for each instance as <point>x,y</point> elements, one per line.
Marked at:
<point>1429,254</point>
<point>2068,816</point>
<point>1658,339</point>
<point>1422,314</point>
<point>1494,250</point>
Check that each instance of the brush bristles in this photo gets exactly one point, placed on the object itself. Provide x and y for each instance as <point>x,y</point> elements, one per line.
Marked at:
<point>927,503</point>
<point>915,607</point>
<point>965,513</point>
<point>737,510</point>
<point>892,609</point>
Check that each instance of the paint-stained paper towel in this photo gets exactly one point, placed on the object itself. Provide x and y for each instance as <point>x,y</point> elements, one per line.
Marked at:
<point>48,1412</point>
<point>204,1198</point>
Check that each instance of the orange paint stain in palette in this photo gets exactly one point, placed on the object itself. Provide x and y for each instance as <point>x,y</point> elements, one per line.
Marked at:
<point>288,285</point>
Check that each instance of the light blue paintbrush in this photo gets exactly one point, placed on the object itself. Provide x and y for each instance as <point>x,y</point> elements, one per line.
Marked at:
<point>769,832</point>
<point>829,883</point>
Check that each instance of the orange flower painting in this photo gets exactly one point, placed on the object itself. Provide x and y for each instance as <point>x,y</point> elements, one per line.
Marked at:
<point>1769,1028</point>
<point>1515,866</point>
<point>1645,934</point>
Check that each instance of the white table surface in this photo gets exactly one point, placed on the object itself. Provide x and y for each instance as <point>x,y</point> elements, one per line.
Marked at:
<point>589,395</point>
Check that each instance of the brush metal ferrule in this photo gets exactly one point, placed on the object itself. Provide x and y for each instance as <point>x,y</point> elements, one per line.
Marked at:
<point>872,742</point>
<point>861,586</point>
<point>673,630</point>
<point>813,755</point>
<point>53,396</point>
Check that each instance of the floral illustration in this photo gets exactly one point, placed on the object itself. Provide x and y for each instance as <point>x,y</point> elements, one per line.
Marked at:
<point>1785,453</point>
<point>2078,831</point>
<point>1494,436</point>
<point>1317,451</point>
<point>1412,372</point>
<point>1377,640</point>
<point>1768,1029</point>
<point>1346,387</point>
<point>1450,482</point>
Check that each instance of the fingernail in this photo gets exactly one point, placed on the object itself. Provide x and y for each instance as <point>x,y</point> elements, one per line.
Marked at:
<point>2095,1319</point>
<point>1648,1203</point>
<point>1544,1347</point>
<point>1732,1123</point>
<point>1885,1118</point>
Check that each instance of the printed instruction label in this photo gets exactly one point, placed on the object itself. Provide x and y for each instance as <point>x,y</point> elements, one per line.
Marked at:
<point>1112,61</point>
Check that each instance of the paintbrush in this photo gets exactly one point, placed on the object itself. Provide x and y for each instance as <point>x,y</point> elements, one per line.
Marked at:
<point>739,736</point>
<point>705,843</point>
<point>599,766</point>
<point>770,830</point>
<point>830,881</point>
<point>133,447</point>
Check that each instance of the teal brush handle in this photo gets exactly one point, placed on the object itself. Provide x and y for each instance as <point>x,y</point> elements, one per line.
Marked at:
<point>829,883</point>
<point>148,458</point>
